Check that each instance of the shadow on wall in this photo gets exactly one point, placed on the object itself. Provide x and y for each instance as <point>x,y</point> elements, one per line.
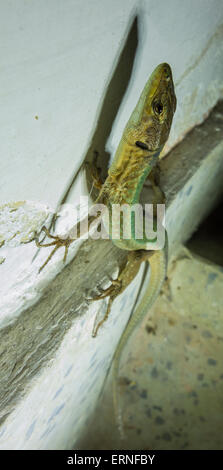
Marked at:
<point>114,94</point>
<point>207,240</point>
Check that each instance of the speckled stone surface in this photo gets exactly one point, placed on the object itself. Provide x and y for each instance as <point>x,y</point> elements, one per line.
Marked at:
<point>171,378</point>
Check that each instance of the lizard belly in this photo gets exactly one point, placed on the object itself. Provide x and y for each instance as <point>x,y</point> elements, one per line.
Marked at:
<point>127,233</point>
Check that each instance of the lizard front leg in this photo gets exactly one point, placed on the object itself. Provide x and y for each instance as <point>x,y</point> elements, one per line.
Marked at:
<point>95,172</point>
<point>154,178</point>
<point>59,242</point>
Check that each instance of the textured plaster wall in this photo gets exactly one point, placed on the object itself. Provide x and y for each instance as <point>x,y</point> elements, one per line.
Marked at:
<point>56,62</point>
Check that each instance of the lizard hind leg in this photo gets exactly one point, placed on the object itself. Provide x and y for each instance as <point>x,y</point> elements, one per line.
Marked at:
<point>112,291</point>
<point>117,286</point>
<point>127,273</point>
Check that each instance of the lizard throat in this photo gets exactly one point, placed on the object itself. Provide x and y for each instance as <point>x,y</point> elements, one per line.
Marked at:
<point>125,184</point>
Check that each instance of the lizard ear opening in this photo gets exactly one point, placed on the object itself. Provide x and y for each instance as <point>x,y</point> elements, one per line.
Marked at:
<point>141,145</point>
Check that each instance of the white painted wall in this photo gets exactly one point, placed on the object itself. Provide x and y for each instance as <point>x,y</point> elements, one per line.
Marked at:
<point>56,59</point>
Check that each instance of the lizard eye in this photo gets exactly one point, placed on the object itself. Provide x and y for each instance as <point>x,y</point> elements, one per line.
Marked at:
<point>158,108</point>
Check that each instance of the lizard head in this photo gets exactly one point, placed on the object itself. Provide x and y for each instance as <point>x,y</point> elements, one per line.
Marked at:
<point>154,113</point>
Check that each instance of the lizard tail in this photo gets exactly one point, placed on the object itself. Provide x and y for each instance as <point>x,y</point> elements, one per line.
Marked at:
<point>158,263</point>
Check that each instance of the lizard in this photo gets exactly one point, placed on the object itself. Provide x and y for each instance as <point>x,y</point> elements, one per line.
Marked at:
<point>135,160</point>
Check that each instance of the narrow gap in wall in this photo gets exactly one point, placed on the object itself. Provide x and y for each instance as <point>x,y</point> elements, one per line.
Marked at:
<point>115,92</point>
<point>207,241</point>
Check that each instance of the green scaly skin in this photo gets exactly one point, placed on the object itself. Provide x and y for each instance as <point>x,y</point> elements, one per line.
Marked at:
<point>149,124</point>
<point>137,154</point>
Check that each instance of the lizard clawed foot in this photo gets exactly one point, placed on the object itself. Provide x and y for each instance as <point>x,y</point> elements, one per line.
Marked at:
<point>57,243</point>
<point>112,291</point>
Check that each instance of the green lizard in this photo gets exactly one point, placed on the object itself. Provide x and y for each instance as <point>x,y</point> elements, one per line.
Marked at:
<point>136,157</point>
